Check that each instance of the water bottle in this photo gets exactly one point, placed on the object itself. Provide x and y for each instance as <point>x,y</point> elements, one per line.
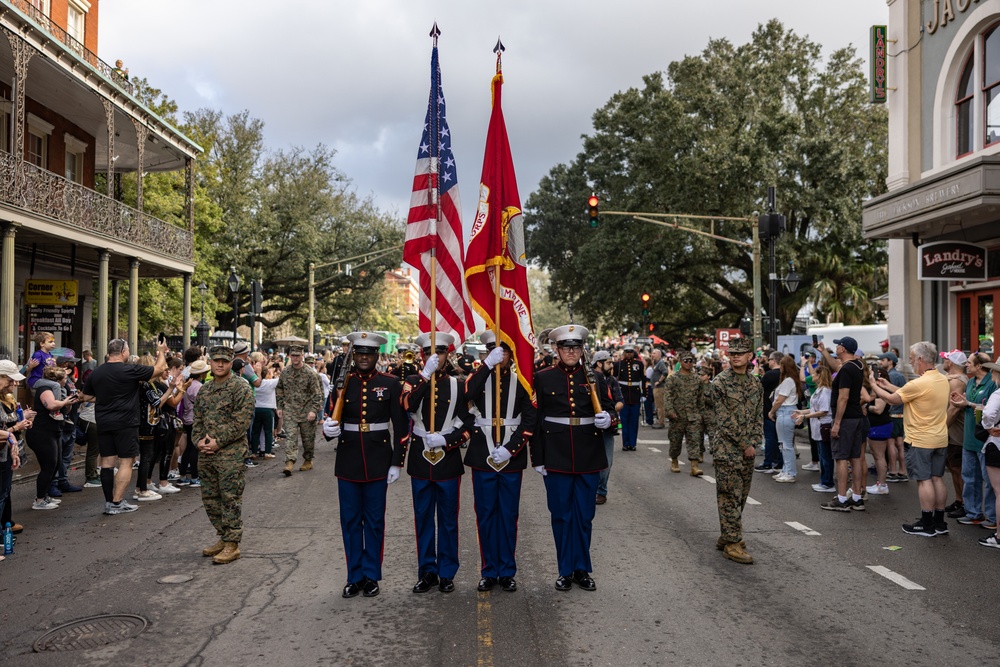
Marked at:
<point>20,413</point>
<point>8,540</point>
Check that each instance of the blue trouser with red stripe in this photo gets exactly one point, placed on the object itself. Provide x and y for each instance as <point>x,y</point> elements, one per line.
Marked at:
<point>362,521</point>
<point>498,499</point>
<point>432,498</point>
<point>630,424</point>
<point>572,501</point>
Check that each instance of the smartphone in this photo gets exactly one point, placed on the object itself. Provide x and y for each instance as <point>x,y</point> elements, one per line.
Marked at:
<point>162,338</point>
<point>875,372</point>
<point>815,340</point>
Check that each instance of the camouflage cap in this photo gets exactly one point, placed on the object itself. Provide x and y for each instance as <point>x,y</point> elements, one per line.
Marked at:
<point>296,349</point>
<point>740,345</point>
<point>220,353</point>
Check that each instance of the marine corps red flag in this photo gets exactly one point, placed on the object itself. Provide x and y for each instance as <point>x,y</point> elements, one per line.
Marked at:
<point>495,261</point>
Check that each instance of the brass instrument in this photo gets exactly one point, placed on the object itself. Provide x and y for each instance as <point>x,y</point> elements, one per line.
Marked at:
<point>409,357</point>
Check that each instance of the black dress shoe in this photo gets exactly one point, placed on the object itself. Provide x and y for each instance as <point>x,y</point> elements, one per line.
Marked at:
<point>486,584</point>
<point>351,590</point>
<point>508,584</point>
<point>564,583</point>
<point>584,580</point>
<point>425,583</point>
<point>446,585</point>
<point>371,588</point>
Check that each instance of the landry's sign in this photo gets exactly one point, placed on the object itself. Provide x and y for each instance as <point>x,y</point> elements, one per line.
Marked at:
<point>952,260</point>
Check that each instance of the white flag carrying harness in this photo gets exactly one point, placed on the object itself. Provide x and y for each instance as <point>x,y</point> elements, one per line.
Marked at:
<point>451,423</point>
<point>485,424</point>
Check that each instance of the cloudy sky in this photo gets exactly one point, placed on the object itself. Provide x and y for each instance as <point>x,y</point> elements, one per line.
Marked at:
<point>355,74</point>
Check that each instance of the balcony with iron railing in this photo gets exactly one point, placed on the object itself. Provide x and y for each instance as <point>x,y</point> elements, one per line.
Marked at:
<point>116,76</point>
<point>43,193</point>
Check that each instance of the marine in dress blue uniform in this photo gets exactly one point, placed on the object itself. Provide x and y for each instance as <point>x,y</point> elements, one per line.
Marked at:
<point>631,376</point>
<point>567,449</point>
<point>498,467</point>
<point>435,464</point>
<point>369,458</point>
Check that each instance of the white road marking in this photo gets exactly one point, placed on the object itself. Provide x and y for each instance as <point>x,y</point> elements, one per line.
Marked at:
<point>802,529</point>
<point>751,501</point>
<point>654,449</point>
<point>710,480</point>
<point>897,578</point>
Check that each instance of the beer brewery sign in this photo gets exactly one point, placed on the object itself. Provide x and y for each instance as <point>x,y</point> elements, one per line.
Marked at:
<point>952,260</point>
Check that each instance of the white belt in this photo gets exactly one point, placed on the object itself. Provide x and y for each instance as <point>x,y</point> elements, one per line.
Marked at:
<point>631,384</point>
<point>365,428</point>
<point>483,422</point>
<point>423,433</point>
<point>571,421</point>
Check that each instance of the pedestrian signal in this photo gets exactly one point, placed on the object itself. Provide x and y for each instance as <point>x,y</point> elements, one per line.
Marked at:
<point>593,204</point>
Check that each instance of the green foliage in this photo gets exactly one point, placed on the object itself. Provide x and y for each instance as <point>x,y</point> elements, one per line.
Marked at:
<point>268,214</point>
<point>706,138</point>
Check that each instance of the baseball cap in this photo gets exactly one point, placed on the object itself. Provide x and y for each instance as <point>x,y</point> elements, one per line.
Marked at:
<point>9,368</point>
<point>956,356</point>
<point>849,344</point>
<point>891,356</point>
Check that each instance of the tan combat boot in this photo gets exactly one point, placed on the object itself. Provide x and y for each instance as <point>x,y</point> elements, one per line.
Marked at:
<point>736,552</point>
<point>307,465</point>
<point>288,468</point>
<point>695,470</point>
<point>674,466</point>
<point>229,553</point>
<point>214,549</point>
<point>720,544</point>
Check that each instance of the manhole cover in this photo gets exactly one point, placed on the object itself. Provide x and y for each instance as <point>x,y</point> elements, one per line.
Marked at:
<point>91,632</point>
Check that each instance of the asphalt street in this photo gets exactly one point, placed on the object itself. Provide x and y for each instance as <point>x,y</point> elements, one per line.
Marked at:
<point>665,595</point>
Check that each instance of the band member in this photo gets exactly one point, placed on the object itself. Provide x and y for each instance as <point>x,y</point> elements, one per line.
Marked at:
<point>497,467</point>
<point>366,460</point>
<point>406,362</point>
<point>567,449</point>
<point>435,466</point>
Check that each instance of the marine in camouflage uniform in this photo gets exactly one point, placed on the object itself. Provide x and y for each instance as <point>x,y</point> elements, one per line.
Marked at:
<point>736,401</point>
<point>705,374</point>
<point>299,396</point>
<point>684,402</point>
<point>223,412</point>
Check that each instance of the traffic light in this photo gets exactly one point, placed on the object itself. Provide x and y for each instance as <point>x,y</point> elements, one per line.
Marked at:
<point>256,296</point>
<point>770,225</point>
<point>652,327</point>
<point>593,204</point>
<point>645,305</point>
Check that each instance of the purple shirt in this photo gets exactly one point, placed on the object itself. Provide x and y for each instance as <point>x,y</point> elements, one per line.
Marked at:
<point>44,359</point>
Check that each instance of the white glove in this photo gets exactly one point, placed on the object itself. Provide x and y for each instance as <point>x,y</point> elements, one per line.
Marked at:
<point>541,470</point>
<point>430,366</point>
<point>602,420</point>
<point>494,357</point>
<point>433,441</point>
<point>331,428</point>
<point>501,455</point>
<point>393,474</point>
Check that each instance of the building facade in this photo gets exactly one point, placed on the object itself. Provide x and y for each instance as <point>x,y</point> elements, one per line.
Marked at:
<point>941,215</point>
<point>70,126</point>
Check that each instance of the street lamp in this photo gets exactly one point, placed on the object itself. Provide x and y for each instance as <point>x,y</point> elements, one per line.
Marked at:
<point>234,287</point>
<point>202,327</point>
<point>791,278</point>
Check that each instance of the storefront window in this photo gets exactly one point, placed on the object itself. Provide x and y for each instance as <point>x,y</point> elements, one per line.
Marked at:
<point>964,103</point>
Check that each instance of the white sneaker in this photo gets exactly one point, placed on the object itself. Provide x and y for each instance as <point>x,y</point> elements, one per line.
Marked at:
<point>44,504</point>
<point>50,499</point>
<point>878,489</point>
<point>783,478</point>
<point>173,475</point>
<point>165,488</point>
<point>146,495</point>
<point>819,488</point>
<point>811,466</point>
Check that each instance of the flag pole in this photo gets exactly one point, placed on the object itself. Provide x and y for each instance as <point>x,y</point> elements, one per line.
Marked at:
<point>497,429</point>
<point>436,197</point>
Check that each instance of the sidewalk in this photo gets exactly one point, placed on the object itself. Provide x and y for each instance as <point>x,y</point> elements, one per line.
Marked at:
<point>29,471</point>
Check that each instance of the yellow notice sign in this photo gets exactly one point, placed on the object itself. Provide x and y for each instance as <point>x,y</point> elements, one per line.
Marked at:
<point>51,292</point>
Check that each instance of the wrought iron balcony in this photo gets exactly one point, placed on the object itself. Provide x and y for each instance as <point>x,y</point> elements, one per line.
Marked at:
<point>43,193</point>
<point>115,75</point>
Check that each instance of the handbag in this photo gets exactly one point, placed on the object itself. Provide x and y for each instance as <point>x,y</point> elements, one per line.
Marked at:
<point>981,433</point>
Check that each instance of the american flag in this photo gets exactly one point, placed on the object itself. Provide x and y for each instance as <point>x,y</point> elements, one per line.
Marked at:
<point>437,177</point>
